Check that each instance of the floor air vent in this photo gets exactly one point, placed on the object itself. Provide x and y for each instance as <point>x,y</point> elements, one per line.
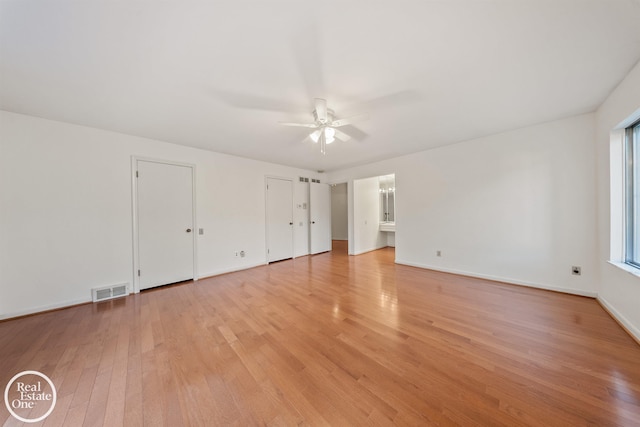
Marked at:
<point>109,292</point>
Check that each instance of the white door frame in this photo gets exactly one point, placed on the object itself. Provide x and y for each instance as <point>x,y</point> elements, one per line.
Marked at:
<point>266,212</point>
<point>134,211</point>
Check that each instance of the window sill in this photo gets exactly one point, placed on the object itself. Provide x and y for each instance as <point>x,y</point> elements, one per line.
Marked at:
<point>626,267</point>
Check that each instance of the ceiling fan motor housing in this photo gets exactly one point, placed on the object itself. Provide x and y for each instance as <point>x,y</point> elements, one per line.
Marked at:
<point>329,119</point>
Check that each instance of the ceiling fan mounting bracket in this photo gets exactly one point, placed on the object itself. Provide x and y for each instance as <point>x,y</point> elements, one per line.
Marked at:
<point>320,121</point>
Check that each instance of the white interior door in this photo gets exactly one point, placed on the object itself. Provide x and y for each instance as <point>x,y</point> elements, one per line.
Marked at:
<point>279,219</point>
<point>320,217</point>
<point>165,223</point>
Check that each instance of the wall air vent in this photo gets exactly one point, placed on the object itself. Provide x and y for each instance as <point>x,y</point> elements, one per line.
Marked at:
<point>109,292</point>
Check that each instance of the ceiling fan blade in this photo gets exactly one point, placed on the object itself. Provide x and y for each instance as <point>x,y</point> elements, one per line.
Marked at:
<point>321,109</point>
<point>308,55</point>
<point>355,132</point>
<point>342,136</point>
<point>404,97</point>
<point>349,120</point>
<point>252,102</point>
<point>304,125</point>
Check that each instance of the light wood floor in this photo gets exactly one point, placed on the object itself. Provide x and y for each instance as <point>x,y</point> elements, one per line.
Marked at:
<point>332,340</point>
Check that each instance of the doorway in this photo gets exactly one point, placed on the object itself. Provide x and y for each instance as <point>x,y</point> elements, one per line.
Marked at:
<point>164,221</point>
<point>374,214</point>
<point>339,212</point>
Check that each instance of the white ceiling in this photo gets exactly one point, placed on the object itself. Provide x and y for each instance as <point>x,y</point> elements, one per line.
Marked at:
<point>220,74</point>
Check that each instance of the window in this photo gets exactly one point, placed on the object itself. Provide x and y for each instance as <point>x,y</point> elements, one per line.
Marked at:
<point>632,195</point>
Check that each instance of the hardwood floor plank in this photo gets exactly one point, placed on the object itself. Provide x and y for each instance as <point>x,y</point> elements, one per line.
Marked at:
<point>96,410</point>
<point>332,339</point>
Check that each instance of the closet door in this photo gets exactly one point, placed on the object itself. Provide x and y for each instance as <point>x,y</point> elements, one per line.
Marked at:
<point>320,217</point>
<point>279,194</point>
<point>165,223</point>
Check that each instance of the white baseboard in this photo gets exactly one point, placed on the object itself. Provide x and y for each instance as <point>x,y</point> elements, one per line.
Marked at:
<point>502,279</point>
<point>626,324</point>
<point>43,308</point>
<point>229,270</point>
<point>368,250</point>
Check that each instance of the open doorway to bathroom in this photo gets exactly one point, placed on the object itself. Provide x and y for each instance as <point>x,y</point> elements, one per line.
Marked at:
<point>387,200</point>
<point>374,214</point>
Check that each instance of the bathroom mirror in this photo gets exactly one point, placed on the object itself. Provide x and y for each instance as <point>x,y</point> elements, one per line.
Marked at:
<point>387,184</point>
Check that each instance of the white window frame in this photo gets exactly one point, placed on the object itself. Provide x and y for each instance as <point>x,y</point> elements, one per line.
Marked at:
<point>632,195</point>
<point>618,203</point>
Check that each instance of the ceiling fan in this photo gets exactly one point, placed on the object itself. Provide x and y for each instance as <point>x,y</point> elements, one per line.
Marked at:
<point>326,125</point>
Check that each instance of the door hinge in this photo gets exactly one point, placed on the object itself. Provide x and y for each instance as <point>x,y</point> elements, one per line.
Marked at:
<point>137,174</point>
<point>138,273</point>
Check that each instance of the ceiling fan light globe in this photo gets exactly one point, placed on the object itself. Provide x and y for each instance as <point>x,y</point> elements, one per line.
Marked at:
<point>315,136</point>
<point>329,134</point>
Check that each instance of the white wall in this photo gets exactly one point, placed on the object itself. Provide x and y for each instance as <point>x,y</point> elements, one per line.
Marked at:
<point>366,216</point>
<point>517,206</point>
<point>339,209</point>
<point>391,239</point>
<point>65,210</point>
<point>619,291</point>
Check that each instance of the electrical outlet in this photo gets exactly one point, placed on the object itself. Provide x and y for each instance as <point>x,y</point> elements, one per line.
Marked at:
<point>242,254</point>
<point>576,271</point>
<point>438,253</point>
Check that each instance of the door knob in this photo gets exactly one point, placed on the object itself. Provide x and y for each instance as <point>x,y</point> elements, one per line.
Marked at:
<point>290,223</point>
<point>313,222</point>
<point>188,230</point>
